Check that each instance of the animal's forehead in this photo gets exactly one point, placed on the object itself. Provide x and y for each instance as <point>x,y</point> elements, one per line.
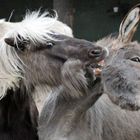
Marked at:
<point>126,51</point>
<point>133,48</point>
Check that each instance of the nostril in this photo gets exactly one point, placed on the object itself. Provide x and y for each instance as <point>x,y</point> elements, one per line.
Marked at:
<point>95,52</point>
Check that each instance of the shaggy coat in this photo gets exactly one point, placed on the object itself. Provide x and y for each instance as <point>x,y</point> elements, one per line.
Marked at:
<point>80,109</point>
<point>18,114</point>
<point>31,55</point>
<point>71,115</point>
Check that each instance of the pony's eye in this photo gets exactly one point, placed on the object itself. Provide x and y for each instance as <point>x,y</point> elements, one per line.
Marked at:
<point>50,45</point>
<point>135,59</point>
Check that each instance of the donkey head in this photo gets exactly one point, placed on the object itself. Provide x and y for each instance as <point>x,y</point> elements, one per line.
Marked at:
<point>35,55</point>
<point>121,75</point>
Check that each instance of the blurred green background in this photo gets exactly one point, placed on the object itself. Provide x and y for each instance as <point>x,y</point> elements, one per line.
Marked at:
<point>92,19</point>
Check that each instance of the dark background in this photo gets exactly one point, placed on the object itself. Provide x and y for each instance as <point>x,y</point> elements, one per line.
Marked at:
<point>89,19</point>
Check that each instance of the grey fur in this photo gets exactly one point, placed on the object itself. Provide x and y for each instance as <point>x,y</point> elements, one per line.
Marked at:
<point>92,115</point>
<point>86,117</point>
<point>68,114</point>
<point>121,77</point>
<point>89,117</point>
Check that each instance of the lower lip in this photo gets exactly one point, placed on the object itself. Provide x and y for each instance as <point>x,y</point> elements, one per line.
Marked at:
<point>97,71</point>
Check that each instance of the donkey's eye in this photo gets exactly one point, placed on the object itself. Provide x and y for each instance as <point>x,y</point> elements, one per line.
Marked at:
<point>50,45</point>
<point>136,59</point>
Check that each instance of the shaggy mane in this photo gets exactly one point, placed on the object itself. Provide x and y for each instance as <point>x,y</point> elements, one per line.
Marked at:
<point>36,28</point>
<point>10,69</point>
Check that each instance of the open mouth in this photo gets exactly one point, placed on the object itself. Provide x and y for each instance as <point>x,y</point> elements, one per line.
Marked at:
<point>97,68</point>
<point>93,72</point>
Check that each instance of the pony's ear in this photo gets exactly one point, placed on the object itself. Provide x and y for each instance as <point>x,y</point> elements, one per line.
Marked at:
<point>19,43</point>
<point>10,41</point>
<point>129,24</point>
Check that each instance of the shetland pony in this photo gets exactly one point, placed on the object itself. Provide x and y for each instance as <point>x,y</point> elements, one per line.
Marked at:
<point>32,53</point>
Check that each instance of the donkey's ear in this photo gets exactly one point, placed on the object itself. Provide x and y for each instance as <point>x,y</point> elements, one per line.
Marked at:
<point>129,24</point>
<point>10,41</point>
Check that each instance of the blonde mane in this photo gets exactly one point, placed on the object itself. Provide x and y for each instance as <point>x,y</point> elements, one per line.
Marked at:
<point>37,27</point>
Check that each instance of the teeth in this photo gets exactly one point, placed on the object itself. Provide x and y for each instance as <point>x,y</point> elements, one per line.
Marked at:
<point>94,70</point>
<point>97,71</point>
<point>101,63</point>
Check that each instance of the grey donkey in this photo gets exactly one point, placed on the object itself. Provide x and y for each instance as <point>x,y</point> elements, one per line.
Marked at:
<point>80,109</point>
<point>121,74</point>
